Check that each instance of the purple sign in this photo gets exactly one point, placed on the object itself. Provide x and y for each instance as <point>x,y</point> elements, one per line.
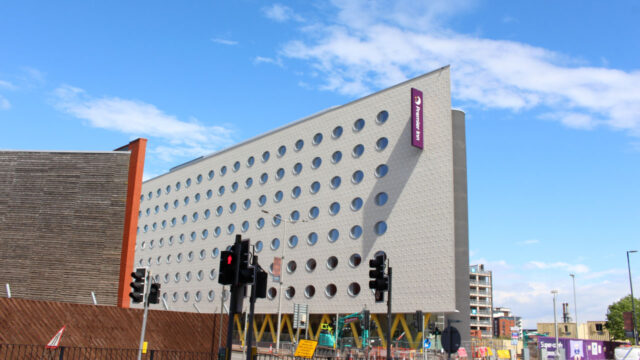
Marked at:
<point>417,132</point>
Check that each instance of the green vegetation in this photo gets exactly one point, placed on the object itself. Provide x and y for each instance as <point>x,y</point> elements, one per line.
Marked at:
<point>615,322</point>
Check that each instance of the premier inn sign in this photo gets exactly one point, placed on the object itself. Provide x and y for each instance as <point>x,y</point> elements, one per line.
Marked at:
<point>417,134</point>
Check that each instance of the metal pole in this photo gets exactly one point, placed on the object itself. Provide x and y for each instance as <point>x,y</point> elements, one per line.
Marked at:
<point>389,318</point>
<point>555,321</point>
<point>575,305</point>
<point>633,305</point>
<point>284,235</point>
<point>252,303</point>
<point>221,313</point>
<point>145,301</point>
<point>424,351</point>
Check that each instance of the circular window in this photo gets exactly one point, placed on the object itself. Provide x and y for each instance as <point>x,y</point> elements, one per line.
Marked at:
<point>277,196</point>
<point>248,183</point>
<point>166,206</point>
<point>223,170</point>
<point>190,256</point>
<point>382,143</point>
<point>215,252</point>
<point>275,244</point>
<point>211,174</point>
<point>336,157</point>
<point>355,260</point>
<point>161,242</point>
<point>271,293</point>
<point>282,150</point>
<point>299,145</point>
<point>314,212</point>
<point>209,194</point>
<point>197,197</point>
<point>219,210</point>
<point>330,290</point>
<point>234,186</point>
<point>170,240</point>
<point>176,277</point>
<point>358,125</point>
<point>168,189</point>
<point>203,254</point>
<point>353,289</point>
<point>232,207</point>
<point>382,170</point>
<point>317,139</point>
<point>194,216</point>
<point>175,296</point>
<point>200,275</point>
<point>260,223</point>
<point>295,215</point>
<point>332,262</point>
<point>259,246</point>
<point>312,239</point>
<point>184,219</point>
<point>357,177</point>
<point>315,187</point>
<point>277,219</point>
<point>311,265</point>
<point>178,185</point>
<point>295,192</point>
<point>263,178</point>
<point>212,274</point>
<point>230,228</point>
<point>291,267</point>
<point>337,132</point>
<point>210,296</point>
<point>316,162</point>
<point>382,117</point>
<point>309,291</point>
<point>279,173</point>
<point>176,203</point>
<point>381,198</point>
<point>166,278</point>
<point>265,156</point>
<point>181,238</point>
<point>187,276</point>
<point>334,208</point>
<point>380,227</point>
<point>205,234</point>
<point>221,190</point>
<point>250,161</point>
<point>236,166</point>
<point>245,226</point>
<point>193,235</point>
<point>334,235</point>
<point>358,150</point>
<point>262,200</point>
<point>293,241</point>
<point>188,182</point>
<point>246,204</point>
<point>355,232</point>
<point>290,292</point>
<point>217,231</point>
<point>335,182</point>
<point>297,168</point>
<point>185,297</point>
<point>198,296</point>
<point>169,259</point>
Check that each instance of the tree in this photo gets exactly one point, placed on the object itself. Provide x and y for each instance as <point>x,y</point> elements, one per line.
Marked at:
<point>615,322</point>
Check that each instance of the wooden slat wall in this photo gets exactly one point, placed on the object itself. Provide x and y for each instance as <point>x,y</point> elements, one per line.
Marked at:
<point>61,224</point>
<point>36,322</point>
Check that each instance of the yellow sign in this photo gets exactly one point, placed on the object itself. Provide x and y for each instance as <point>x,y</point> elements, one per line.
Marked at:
<point>504,354</point>
<point>306,348</point>
<point>144,347</point>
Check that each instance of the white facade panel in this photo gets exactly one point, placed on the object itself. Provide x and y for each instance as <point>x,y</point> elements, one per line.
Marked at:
<point>419,213</point>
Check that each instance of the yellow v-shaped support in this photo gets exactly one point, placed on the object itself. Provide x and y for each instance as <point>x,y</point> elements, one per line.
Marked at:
<point>325,320</point>
<point>287,321</point>
<point>236,319</point>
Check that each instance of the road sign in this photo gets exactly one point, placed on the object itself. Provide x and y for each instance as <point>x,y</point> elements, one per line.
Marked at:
<point>427,344</point>
<point>306,348</point>
<point>514,335</point>
<point>450,339</point>
<point>55,340</point>
<point>300,315</point>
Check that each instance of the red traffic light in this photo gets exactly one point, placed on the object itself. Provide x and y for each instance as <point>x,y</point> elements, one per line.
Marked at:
<point>229,259</point>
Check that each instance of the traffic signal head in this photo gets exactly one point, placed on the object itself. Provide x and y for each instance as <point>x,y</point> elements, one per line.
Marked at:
<point>261,284</point>
<point>226,271</point>
<point>366,318</point>
<point>417,322</point>
<point>246,271</point>
<point>379,281</point>
<point>154,294</point>
<point>137,285</point>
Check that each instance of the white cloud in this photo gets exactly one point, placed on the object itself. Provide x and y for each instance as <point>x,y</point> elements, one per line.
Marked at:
<point>366,50</point>
<point>267,60</point>
<point>529,242</point>
<point>4,103</point>
<point>224,41</point>
<point>281,13</point>
<point>179,138</point>
<point>7,85</point>
<point>577,268</point>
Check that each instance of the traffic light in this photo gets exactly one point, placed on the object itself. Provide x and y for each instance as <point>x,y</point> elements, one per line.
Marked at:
<point>137,285</point>
<point>261,284</point>
<point>419,318</point>
<point>246,271</point>
<point>366,319</point>
<point>379,281</point>
<point>154,294</point>
<point>226,271</point>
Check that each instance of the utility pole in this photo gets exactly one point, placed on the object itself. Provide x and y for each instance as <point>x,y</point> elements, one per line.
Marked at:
<point>389,316</point>
<point>633,305</point>
<point>555,322</point>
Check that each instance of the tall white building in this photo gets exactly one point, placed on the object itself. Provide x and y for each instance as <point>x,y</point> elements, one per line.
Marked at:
<point>481,300</point>
<point>385,173</point>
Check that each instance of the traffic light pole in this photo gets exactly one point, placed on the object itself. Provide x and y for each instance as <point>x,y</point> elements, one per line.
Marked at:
<point>252,303</point>
<point>235,293</point>
<point>389,318</point>
<point>146,311</point>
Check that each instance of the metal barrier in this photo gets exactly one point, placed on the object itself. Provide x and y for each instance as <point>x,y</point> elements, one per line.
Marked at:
<point>39,352</point>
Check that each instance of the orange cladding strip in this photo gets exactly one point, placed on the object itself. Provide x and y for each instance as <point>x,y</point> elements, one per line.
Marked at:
<point>134,189</point>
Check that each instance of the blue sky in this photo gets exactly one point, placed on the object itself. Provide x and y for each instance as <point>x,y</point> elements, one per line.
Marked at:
<point>551,91</point>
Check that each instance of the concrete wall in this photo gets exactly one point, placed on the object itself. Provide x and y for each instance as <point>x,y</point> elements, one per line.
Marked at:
<point>61,224</point>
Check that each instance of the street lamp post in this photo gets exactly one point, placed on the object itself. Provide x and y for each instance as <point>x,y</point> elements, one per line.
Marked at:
<point>575,304</point>
<point>555,321</point>
<point>633,305</point>
<point>282,270</point>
